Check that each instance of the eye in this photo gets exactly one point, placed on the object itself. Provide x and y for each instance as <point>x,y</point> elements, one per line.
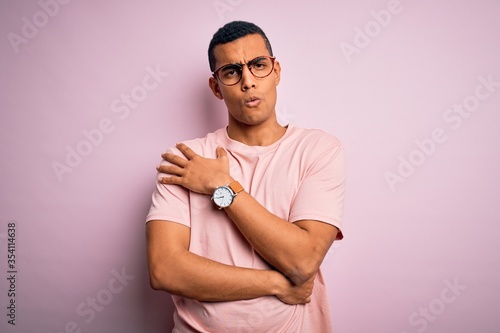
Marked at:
<point>230,71</point>
<point>260,64</point>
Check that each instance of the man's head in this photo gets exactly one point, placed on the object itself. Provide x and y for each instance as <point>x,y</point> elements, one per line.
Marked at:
<point>231,32</point>
<point>245,74</point>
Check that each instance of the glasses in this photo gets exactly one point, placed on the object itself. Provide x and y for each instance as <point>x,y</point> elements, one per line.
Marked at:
<point>231,74</point>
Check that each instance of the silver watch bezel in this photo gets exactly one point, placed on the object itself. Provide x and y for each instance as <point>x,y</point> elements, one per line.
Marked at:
<point>220,203</point>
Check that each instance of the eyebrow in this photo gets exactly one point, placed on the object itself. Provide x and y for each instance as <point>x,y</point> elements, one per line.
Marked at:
<point>240,64</point>
<point>232,64</point>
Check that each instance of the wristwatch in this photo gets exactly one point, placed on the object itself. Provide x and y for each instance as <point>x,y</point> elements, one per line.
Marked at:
<point>224,195</point>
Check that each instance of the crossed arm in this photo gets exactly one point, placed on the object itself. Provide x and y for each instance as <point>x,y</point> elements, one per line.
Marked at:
<point>180,272</point>
<point>294,249</point>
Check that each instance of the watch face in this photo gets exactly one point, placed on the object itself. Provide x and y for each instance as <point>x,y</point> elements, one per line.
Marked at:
<point>223,197</point>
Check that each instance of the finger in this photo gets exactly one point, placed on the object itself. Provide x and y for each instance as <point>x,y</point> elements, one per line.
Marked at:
<point>308,300</point>
<point>170,169</point>
<point>188,152</point>
<point>175,159</point>
<point>221,152</point>
<point>173,180</point>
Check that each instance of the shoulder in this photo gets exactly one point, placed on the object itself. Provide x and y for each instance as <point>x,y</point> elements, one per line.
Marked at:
<point>315,138</point>
<point>204,146</point>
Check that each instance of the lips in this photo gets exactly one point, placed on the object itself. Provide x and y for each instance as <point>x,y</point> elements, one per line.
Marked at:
<point>252,101</point>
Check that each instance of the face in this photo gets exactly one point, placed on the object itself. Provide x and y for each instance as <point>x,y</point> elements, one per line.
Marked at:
<point>251,101</point>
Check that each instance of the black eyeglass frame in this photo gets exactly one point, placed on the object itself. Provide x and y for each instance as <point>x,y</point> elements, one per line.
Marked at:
<point>215,73</point>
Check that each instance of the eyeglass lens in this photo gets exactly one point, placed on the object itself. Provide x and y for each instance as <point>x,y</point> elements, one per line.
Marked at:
<point>260,67</point>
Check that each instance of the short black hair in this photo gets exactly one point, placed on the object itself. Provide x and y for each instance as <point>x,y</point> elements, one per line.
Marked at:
<point>231,32</point>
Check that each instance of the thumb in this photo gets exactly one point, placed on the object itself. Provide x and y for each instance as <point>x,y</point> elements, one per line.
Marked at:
<point>221,152</point>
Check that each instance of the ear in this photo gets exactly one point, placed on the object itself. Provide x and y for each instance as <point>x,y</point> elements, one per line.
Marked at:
<point>277,72</point>
<point>214,86</point>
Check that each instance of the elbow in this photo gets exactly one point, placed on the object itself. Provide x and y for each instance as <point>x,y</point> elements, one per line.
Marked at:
<point>155,283</point>
<point>301,278</point>
<point>303,273</point>
<point>305,268</point>
<point>159,280</point>
<point>162,279</point>
<point>155,280</point>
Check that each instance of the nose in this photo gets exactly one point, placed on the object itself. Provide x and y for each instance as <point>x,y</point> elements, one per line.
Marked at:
<point>247,79</point>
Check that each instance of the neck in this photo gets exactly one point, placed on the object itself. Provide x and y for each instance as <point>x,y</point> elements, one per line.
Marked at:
<point>256,135</point>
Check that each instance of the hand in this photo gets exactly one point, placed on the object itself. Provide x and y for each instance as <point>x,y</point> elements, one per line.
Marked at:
<point>296,294</point>
<point>196,173</point>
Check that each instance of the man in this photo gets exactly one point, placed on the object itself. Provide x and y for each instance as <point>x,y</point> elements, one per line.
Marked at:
<point>242,218</point>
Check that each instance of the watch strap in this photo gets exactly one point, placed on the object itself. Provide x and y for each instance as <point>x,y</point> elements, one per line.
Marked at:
<point>236,187</point>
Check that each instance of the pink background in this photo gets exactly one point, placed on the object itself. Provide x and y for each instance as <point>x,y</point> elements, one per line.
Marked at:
<point>419,253</point>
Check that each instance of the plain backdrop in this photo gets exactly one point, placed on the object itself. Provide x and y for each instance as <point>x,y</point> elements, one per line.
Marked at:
<point>92,92</point>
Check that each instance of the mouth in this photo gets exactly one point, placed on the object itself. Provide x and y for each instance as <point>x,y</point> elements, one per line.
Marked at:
<point>252,101</point>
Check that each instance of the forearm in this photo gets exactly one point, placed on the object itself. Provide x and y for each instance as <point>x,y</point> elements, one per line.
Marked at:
<point>189,275</point>
<point>292,250</point>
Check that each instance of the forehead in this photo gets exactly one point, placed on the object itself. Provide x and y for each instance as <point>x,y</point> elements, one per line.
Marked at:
<point>241,50</point>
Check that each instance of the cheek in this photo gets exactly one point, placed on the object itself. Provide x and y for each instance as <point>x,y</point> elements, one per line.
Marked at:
<point>233,103</point>
<point>271,93</point>
<point>232,100</point>
<point>229,96</point>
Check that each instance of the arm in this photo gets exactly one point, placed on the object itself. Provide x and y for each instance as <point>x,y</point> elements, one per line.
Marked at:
<point>174,269</point>
<point>295,249</point>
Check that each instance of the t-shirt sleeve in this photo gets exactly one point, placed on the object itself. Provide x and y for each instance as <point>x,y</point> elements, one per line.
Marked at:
<point>321,194</point>
<point>169,202</point>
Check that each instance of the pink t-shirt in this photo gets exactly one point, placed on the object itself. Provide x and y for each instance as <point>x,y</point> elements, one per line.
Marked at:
<point>301,176</point>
